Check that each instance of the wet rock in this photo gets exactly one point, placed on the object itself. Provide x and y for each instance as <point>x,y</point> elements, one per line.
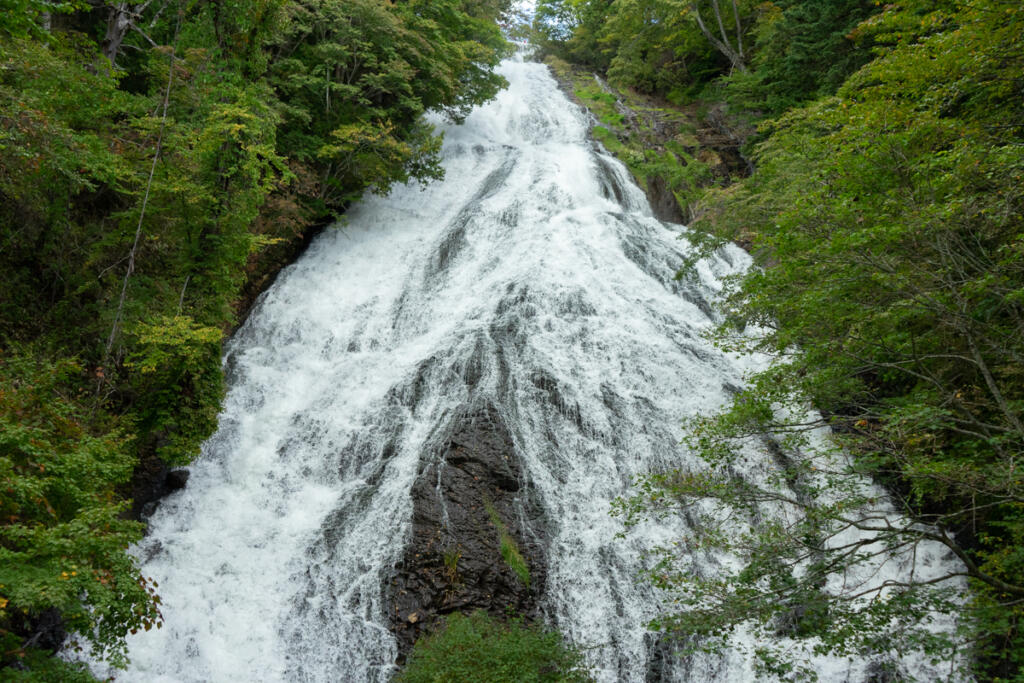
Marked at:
<point>663,201</point>
<point>469,493</point>
<point>883,672</point>
<point>176,480</point>
<point>150,483</point>
<point>714,161</point>
<point>661,658</point>
<point>672,657</point>
<point>714,136</point>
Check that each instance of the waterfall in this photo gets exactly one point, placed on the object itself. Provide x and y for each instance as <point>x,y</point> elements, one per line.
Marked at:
<point>533,279</point>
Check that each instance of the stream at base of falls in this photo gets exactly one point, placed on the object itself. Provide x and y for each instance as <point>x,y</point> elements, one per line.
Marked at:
<point>533,282</point>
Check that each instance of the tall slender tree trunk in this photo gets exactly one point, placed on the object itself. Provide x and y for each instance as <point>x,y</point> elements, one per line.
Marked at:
<point>723,44</point>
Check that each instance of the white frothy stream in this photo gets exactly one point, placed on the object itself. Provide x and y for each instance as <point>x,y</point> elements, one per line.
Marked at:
<point>535,257</point>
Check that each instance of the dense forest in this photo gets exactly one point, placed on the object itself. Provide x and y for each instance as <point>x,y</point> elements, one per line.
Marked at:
<point>159,160</point>
<point>884,208</point>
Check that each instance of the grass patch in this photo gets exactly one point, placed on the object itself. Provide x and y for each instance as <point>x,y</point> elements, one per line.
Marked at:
<point>601,104</point>
<point>514,559</point>
<point>451,559</point>
<point>508,547</point>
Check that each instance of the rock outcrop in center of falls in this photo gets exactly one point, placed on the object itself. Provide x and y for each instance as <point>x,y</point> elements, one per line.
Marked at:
<point>472,513</point>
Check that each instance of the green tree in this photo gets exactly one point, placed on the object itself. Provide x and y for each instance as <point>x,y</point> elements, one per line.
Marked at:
<point>655,46</point>
<point>355,77</point>
<point>659,47</point>
<point>801,49</point>
<point>24,18</point>
<point>572,29</point>
<point>807,49</point>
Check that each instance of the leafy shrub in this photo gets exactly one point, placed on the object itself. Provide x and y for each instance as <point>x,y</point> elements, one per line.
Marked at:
<point>480,648</point>
<point>178,383</point>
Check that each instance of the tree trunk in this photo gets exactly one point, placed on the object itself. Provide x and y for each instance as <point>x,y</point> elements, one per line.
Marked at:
<point>119,21</point>
<point>734,55</point>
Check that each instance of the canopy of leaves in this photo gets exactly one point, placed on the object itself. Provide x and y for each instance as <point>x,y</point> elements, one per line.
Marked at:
<point>801,50</point>
<point>355,76</point>
<point>796,49</point>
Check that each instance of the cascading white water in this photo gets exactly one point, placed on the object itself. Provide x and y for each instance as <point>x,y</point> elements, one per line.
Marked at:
<point>535,257</point>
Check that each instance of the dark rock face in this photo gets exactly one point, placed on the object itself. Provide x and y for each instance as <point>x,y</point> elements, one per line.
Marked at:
<point>724,136</point>
<point>453,561</point>
<point>663,202</point>
<point>671,658</point>
<point>46,630</point>
<point>659,666</point>
<point>151,481</point>
<point>176,480</point>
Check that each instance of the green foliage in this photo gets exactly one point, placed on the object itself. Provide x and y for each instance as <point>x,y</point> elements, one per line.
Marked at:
<point>809,537</point>
<point>637,143</point>
<point>24,18</point>
<point>480,648</point>
<point>602,104</point>
<point>354,78</point>
<point>53,154</point>
<point>41,667</point>
<point>802,50</point>
<point>175,372</point>
<point>889,220</point>
<point>796,49</point>
<point>451,559</point>
<point>654,46</point>
<point>659,47</point>
<point>571,29</point>
<point>514,559</point>
<point>62,532</point>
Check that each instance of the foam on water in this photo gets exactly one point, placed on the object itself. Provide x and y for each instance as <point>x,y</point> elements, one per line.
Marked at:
<point>533,277</point>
